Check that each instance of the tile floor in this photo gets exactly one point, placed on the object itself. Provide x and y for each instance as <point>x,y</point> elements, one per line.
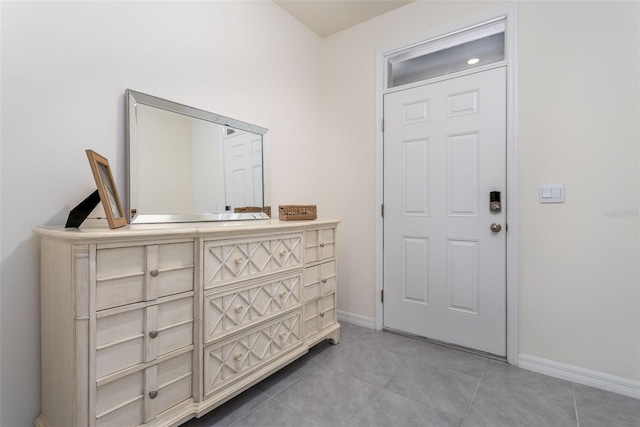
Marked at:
<point>375,378</point>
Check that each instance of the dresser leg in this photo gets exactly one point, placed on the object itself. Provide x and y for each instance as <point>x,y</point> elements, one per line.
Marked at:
<point>334,337</point>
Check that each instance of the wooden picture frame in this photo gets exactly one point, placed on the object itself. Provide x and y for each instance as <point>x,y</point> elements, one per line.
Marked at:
<point>107,189</point>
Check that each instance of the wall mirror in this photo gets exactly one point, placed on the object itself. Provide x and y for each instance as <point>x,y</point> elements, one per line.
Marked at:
<point>189,165</point>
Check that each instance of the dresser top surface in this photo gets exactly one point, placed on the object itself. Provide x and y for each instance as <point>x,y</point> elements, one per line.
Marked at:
<point>200,229</point>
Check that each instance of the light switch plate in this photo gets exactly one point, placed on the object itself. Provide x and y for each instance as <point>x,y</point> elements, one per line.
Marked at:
<point>551,193</point>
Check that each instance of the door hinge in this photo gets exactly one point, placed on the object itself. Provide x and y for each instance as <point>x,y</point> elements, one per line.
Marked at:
<point>382,210</point>
<point>382,124</point>
<point>382,296</point>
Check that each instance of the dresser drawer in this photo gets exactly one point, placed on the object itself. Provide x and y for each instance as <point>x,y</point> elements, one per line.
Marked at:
<point>319,244</point>
<point>142,333</point>
<point>226,261</point>
<point>127,275</point>
<point>319,314</point>
<point>319,280</point>
<point>139,397</point>
<point>233,359</point>
<point>227,310</point>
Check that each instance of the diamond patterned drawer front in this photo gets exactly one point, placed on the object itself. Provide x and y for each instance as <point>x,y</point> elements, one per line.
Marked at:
<point>226,261</point>
<point>234,359</point>
<point>231,309</point>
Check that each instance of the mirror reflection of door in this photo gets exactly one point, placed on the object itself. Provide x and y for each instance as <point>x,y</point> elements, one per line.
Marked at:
<point>243,169</point>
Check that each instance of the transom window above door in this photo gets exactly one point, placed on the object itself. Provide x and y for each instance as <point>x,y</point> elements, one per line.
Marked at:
<point>452,53</point>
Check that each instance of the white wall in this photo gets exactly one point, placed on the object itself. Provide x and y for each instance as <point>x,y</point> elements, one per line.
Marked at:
<point>165,180</point>
<point>579,279</point>
<point>208,166</point>
<point>579,109</point>
<point>65,66</point>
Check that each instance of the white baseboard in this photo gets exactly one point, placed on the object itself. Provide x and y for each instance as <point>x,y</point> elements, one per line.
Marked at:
<point>580,375</point>
<point>357,319</point>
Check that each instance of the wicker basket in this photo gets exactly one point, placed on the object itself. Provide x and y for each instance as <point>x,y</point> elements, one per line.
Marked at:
<point>266,209</point>
<point>297,212</point>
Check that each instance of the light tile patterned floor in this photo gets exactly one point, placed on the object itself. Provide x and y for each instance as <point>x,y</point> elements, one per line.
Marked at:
<point>375,378</point>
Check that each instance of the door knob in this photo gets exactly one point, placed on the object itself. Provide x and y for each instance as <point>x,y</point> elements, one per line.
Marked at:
<point>495,227</point>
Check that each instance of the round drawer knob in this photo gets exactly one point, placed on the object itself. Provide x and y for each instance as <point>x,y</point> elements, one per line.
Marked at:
<point>283,294</point>
<point>283,253</point>
<point>324,280</point>
<point>238,357</point>
<point>153,334</point>
<point>153,394</point>
<point>154,273</point>
<point>322,245</point>
<point>239,261</point>
<point>283,335</point>
<point>239,308</point>
<point>321,314</point>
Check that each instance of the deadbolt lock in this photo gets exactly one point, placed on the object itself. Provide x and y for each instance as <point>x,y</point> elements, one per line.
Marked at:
<point>494,201</point>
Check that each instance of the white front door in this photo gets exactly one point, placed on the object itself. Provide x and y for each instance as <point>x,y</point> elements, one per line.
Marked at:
<point>444,265</point>
<point>243,169</point>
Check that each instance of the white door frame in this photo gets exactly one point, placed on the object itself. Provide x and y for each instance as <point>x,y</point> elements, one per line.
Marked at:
<point>509,13</point>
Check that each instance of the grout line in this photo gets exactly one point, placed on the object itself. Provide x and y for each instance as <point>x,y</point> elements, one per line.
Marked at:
<point>473,398</point>
<point>575,404</point>
<point>402,365</point>
<point>313,367</point>
<point>251,411</point>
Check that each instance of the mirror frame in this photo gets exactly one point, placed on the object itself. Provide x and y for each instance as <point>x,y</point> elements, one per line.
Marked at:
<point>133,98</point>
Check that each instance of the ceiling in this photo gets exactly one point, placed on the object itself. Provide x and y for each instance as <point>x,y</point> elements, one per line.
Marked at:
<point>327,17</point>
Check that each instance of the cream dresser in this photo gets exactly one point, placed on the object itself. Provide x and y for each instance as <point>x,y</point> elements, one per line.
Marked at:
<point>154,325</point>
